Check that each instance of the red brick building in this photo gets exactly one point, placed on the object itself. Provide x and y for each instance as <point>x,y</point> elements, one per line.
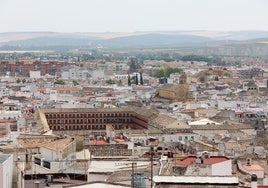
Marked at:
<point>21,68</point>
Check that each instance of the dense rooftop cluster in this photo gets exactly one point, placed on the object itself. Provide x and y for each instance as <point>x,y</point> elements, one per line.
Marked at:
<point>97,120</point>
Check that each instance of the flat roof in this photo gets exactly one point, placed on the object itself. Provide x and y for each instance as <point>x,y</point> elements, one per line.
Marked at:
<point>253,167</point>
<point>197,179</point>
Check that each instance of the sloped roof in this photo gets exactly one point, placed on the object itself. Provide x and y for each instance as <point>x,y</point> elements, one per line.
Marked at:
<point>58,145</point>
<point>169,122</point>
<point>204,121</point>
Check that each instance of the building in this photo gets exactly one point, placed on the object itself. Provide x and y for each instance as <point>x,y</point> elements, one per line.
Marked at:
<point>6,170</point>
<point>21,68</point>
<point>195,181</point>
<point>206,165</point>
<point>103,184</point>
<point>73,72</point>
<point>82,121</point>
<point>55,156</point>
<point>174,92</point>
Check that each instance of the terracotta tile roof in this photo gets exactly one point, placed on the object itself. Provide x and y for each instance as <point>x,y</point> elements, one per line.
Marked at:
<point>58,145</point>
<point>253,167</point>
<point>98,142</point>
<point>119,140</point>
<point>33,141</point>
<point>169,122</point>
<point>60,89</point>
<point>186,161</point>
<point>207,161</point>
<point>215,159</point>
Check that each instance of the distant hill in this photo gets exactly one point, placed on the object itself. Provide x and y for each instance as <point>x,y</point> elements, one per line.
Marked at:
<point>53,40</point>
<point>154,40</point>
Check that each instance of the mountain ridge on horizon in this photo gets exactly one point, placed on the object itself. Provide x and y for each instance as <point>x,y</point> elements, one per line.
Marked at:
<point>126,39</point>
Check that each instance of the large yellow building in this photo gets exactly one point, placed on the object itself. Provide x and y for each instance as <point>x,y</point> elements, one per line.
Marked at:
<point>174,92</point>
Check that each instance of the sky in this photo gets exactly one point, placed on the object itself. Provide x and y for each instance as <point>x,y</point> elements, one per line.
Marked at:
<point>132,15</point>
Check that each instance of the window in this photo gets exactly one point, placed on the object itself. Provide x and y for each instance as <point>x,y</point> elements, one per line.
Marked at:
<point>46,164</point>
<point>37,161</point>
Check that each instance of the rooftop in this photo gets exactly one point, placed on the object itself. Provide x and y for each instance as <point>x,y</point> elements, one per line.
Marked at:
<point>253,167</point>
<point>196,179</point>
<point>169,122</point>
<point>4,157</point>
<point>58,145</point>
<point>32,140</point>
<point>207,161</point>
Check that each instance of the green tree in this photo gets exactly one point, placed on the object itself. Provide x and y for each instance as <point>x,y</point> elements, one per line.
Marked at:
<point>59,82</point>
<point>110,81</point>
<point>136,79</point>
<point>128,80</point>
<point>159,73</point>
<point>141,78</point>
<point>75,83</point>
<point>166,72</point>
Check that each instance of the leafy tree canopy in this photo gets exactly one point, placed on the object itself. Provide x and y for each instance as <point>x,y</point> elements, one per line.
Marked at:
<point>166,72</point>
<point>59,82</point>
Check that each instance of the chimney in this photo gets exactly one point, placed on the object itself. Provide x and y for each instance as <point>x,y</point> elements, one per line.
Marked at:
<point>249,162</point>
<point>254,181</point>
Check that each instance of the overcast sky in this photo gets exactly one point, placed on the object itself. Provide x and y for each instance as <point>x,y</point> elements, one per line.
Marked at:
<point>132,15</point>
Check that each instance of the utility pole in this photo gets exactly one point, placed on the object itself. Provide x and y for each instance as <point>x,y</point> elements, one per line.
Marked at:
<point>152,172</point>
